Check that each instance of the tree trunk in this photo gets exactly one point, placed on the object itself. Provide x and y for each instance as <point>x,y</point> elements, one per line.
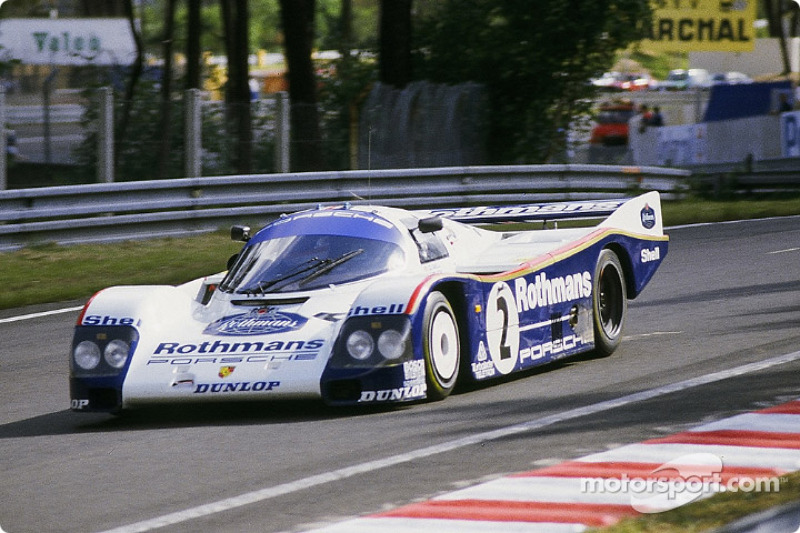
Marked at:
<point>237,90</point>
<point>193,45</point>
<point>242,97</point>
<point>133,80</point>
<point>346,22</point>
<point>166,90</point>
<point>395,42</point>
<point>297,17</point>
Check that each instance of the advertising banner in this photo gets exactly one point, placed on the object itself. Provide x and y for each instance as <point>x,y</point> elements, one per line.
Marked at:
<point>74,42</point>
<point>702,25</point>
<point>682,145</point>
<point>790,134</point>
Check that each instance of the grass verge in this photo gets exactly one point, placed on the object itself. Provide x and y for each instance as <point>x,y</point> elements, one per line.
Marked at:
<point>52,273</point>
<point>714,512</point>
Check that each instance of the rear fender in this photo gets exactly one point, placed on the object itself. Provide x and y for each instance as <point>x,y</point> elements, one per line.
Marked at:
<point>641,244</point>
<point>640,215</point>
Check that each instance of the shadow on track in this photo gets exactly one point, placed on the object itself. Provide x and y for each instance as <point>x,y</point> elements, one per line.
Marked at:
<point>228,414</point>
<point>221,414</point>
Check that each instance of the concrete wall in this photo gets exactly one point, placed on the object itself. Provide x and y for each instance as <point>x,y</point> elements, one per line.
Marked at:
<point>711,142</point>
<point>764,60</point>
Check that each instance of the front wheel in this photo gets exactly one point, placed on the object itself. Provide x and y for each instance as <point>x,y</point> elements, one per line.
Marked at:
<point>610,303</point>
<point>441,345</point>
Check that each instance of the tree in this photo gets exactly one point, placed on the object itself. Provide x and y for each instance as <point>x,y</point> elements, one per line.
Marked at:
<point>136,72</point>
<point>297,18</point>
<point>534,58</point>
<point>237,90</point>
<point>193,34</point>
<point>775,11</point>
<point>395,42</point>
<point>103,8</point>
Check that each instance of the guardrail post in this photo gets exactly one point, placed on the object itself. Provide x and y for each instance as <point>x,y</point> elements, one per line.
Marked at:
<point>3,142</point>
<point>105,136</point>
<point>282,132</point>
<point>193,134</point>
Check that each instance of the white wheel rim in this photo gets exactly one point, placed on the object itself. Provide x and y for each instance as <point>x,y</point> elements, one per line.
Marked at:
<point>444,346</point>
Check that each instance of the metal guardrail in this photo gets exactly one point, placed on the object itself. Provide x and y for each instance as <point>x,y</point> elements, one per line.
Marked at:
<point>765,176</point>
<point>130,210</point>
<point>34,114</point>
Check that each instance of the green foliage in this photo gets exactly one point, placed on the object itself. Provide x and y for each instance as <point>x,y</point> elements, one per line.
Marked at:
<point>157,261</point>
<point>659,64</point>
<point>364,25</point>
<point>535,59</point>
<point>137,151</point>
<point>265,25</point>
<point>219,144</point>
<point>341,95</point>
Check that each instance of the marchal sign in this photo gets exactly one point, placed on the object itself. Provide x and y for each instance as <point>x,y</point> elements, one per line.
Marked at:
<point>75,42</point>
<point>702,25</point>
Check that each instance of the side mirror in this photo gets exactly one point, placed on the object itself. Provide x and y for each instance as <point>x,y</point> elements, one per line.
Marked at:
<point>240,233</point>
<point>430,224</point>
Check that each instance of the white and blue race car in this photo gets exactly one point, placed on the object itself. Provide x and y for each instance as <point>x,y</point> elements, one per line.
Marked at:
<point>366,304</point>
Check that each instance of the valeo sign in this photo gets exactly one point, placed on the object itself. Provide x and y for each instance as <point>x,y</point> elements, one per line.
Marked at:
<point>103,41</point>
<point>702,25</point>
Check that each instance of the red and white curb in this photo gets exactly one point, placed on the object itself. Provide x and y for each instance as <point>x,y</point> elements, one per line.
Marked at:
<point>747,452</point>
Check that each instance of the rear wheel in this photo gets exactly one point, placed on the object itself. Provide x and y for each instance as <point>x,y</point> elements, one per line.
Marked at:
<point>441,345</point>
<point>610,303</point>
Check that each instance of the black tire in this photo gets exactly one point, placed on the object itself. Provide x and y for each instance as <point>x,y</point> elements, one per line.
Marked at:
<point>441,346</point>
<point>609,303</point>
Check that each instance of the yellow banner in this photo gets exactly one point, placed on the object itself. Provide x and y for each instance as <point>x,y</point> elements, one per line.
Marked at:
<point>702,25</point>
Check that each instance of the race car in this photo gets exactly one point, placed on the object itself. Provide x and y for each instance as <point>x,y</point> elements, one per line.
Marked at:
<point>365,304</point>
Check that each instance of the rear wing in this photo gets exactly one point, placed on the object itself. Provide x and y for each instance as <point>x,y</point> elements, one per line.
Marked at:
<point>641,214</point>
<point>527,212</point>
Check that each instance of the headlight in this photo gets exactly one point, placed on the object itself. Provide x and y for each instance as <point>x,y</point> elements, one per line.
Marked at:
<point>116,353</point>
<point>392,344</point>
<point>373,342</point>
<point>87,355</point>
<point>360,345</point>
<point>102,351</point>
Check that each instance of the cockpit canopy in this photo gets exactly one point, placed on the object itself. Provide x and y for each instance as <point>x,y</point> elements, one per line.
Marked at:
<point>316,249</point>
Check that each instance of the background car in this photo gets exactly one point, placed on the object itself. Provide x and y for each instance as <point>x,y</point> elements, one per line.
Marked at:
<point>625,81</point>
<point>683,79</point>
<point>611,128</point>
<point>730,77</point>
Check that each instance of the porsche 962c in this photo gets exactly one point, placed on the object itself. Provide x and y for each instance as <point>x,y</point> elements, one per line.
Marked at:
<point>365,304</point>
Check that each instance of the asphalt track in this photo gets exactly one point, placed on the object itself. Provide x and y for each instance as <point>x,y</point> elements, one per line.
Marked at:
<point>716,333</point>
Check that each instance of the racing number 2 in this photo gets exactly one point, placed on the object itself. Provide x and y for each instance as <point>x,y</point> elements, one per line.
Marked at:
<point>502,327</point>
<point>505,349</point>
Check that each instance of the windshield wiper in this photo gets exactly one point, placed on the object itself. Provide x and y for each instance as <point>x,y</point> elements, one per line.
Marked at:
<point>262,286</point>
<point>328,265</point>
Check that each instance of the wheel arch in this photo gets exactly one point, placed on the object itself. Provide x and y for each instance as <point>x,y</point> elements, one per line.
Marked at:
<point>455,292</point>
<point>627,268</point>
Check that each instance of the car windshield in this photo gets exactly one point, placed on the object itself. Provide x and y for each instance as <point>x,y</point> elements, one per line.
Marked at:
<point>614,116</point>
<point>306,262</point>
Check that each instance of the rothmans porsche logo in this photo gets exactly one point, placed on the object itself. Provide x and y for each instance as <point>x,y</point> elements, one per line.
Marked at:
<point>225,371</point>
<point>648,216</point>
<point>257,322</point>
